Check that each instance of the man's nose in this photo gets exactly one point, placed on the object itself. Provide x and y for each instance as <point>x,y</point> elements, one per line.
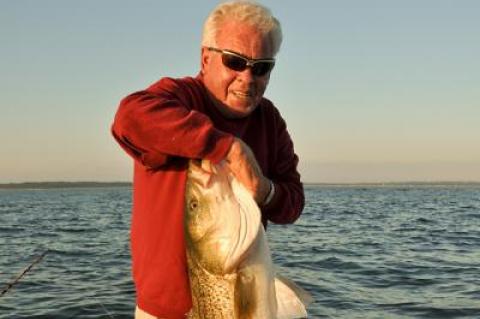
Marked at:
<point>246,75</point>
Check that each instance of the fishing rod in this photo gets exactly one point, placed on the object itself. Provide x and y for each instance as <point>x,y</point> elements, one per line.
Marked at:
<point>23,273</point>
<point>27,269</point>
<point>105,309</point>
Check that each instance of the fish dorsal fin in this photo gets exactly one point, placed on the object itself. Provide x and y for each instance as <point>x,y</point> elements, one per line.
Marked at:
<point>248,224</point>
<point>292,301</point>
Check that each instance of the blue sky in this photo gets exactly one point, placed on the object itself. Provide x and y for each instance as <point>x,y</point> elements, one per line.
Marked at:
<point>371,90</point>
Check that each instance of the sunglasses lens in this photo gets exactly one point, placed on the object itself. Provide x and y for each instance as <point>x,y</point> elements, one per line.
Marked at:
<point>239,64</point>
<point>262,68</point>
<point>234,62</point>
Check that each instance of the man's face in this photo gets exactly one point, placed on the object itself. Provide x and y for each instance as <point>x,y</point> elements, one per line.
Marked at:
<point>236,93</point>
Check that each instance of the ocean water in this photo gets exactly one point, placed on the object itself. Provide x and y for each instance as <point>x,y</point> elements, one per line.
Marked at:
<point>362,252</point>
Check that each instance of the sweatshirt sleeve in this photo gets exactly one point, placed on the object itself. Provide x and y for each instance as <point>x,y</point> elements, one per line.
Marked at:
<point>289,199</point>
<point>164,121</point>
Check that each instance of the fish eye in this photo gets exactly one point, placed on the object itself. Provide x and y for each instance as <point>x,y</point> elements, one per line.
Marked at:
<point>193,204</point>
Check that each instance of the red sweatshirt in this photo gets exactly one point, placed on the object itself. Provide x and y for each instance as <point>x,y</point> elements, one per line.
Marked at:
<point>161,127</point>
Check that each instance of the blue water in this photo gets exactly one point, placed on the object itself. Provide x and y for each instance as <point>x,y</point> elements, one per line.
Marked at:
<point>362,252</point>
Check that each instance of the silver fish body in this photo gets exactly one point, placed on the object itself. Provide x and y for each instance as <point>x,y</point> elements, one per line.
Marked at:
<point>229,262</point>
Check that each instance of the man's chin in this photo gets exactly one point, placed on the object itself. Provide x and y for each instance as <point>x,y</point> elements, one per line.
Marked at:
<point>243,112</point>
<point>237,111</point>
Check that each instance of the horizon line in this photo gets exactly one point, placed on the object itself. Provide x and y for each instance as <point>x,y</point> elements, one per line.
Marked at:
<point>87,184</point>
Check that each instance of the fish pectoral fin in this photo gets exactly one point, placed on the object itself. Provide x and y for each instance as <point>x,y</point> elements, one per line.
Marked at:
<point>245,295</point>
<point>292,300</point>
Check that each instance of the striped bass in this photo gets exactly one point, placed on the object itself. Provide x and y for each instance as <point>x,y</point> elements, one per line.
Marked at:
<point>229,263</point>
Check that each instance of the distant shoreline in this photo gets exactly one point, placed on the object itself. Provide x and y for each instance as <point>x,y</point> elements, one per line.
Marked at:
<point>393,184</point>
<point>53,185</point>
<point>48,185</point>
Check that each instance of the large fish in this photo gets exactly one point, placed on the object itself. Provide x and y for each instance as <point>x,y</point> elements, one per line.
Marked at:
<point>229,262</point>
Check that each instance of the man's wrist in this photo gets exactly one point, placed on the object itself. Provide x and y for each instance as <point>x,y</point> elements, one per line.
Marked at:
<point>270,194</point>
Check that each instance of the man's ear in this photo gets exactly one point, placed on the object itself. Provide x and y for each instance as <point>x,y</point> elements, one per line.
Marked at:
<point>205,59</point>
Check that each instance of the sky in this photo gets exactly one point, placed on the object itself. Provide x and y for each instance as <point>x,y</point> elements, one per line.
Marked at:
<point>372,91</point>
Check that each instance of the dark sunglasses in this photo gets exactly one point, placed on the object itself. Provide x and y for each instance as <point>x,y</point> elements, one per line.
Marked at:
<point>238,62</point>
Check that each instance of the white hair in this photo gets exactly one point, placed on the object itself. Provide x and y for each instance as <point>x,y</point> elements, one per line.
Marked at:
<point>248,12</point>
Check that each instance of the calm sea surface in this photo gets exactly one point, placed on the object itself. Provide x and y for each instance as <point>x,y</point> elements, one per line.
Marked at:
<point>362,252</point>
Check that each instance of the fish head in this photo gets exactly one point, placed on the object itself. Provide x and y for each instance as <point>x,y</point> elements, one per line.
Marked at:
<point>218,227</point>
<point>200,200</point>
<point>206,201</point>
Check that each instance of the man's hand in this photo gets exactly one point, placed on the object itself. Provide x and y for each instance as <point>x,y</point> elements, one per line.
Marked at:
<point>244,166</point>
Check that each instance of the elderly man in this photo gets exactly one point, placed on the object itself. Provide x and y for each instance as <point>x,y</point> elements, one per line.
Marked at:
<point>220,114</point>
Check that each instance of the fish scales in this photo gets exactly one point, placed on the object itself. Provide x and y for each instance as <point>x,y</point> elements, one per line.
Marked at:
<point>212,295</point>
